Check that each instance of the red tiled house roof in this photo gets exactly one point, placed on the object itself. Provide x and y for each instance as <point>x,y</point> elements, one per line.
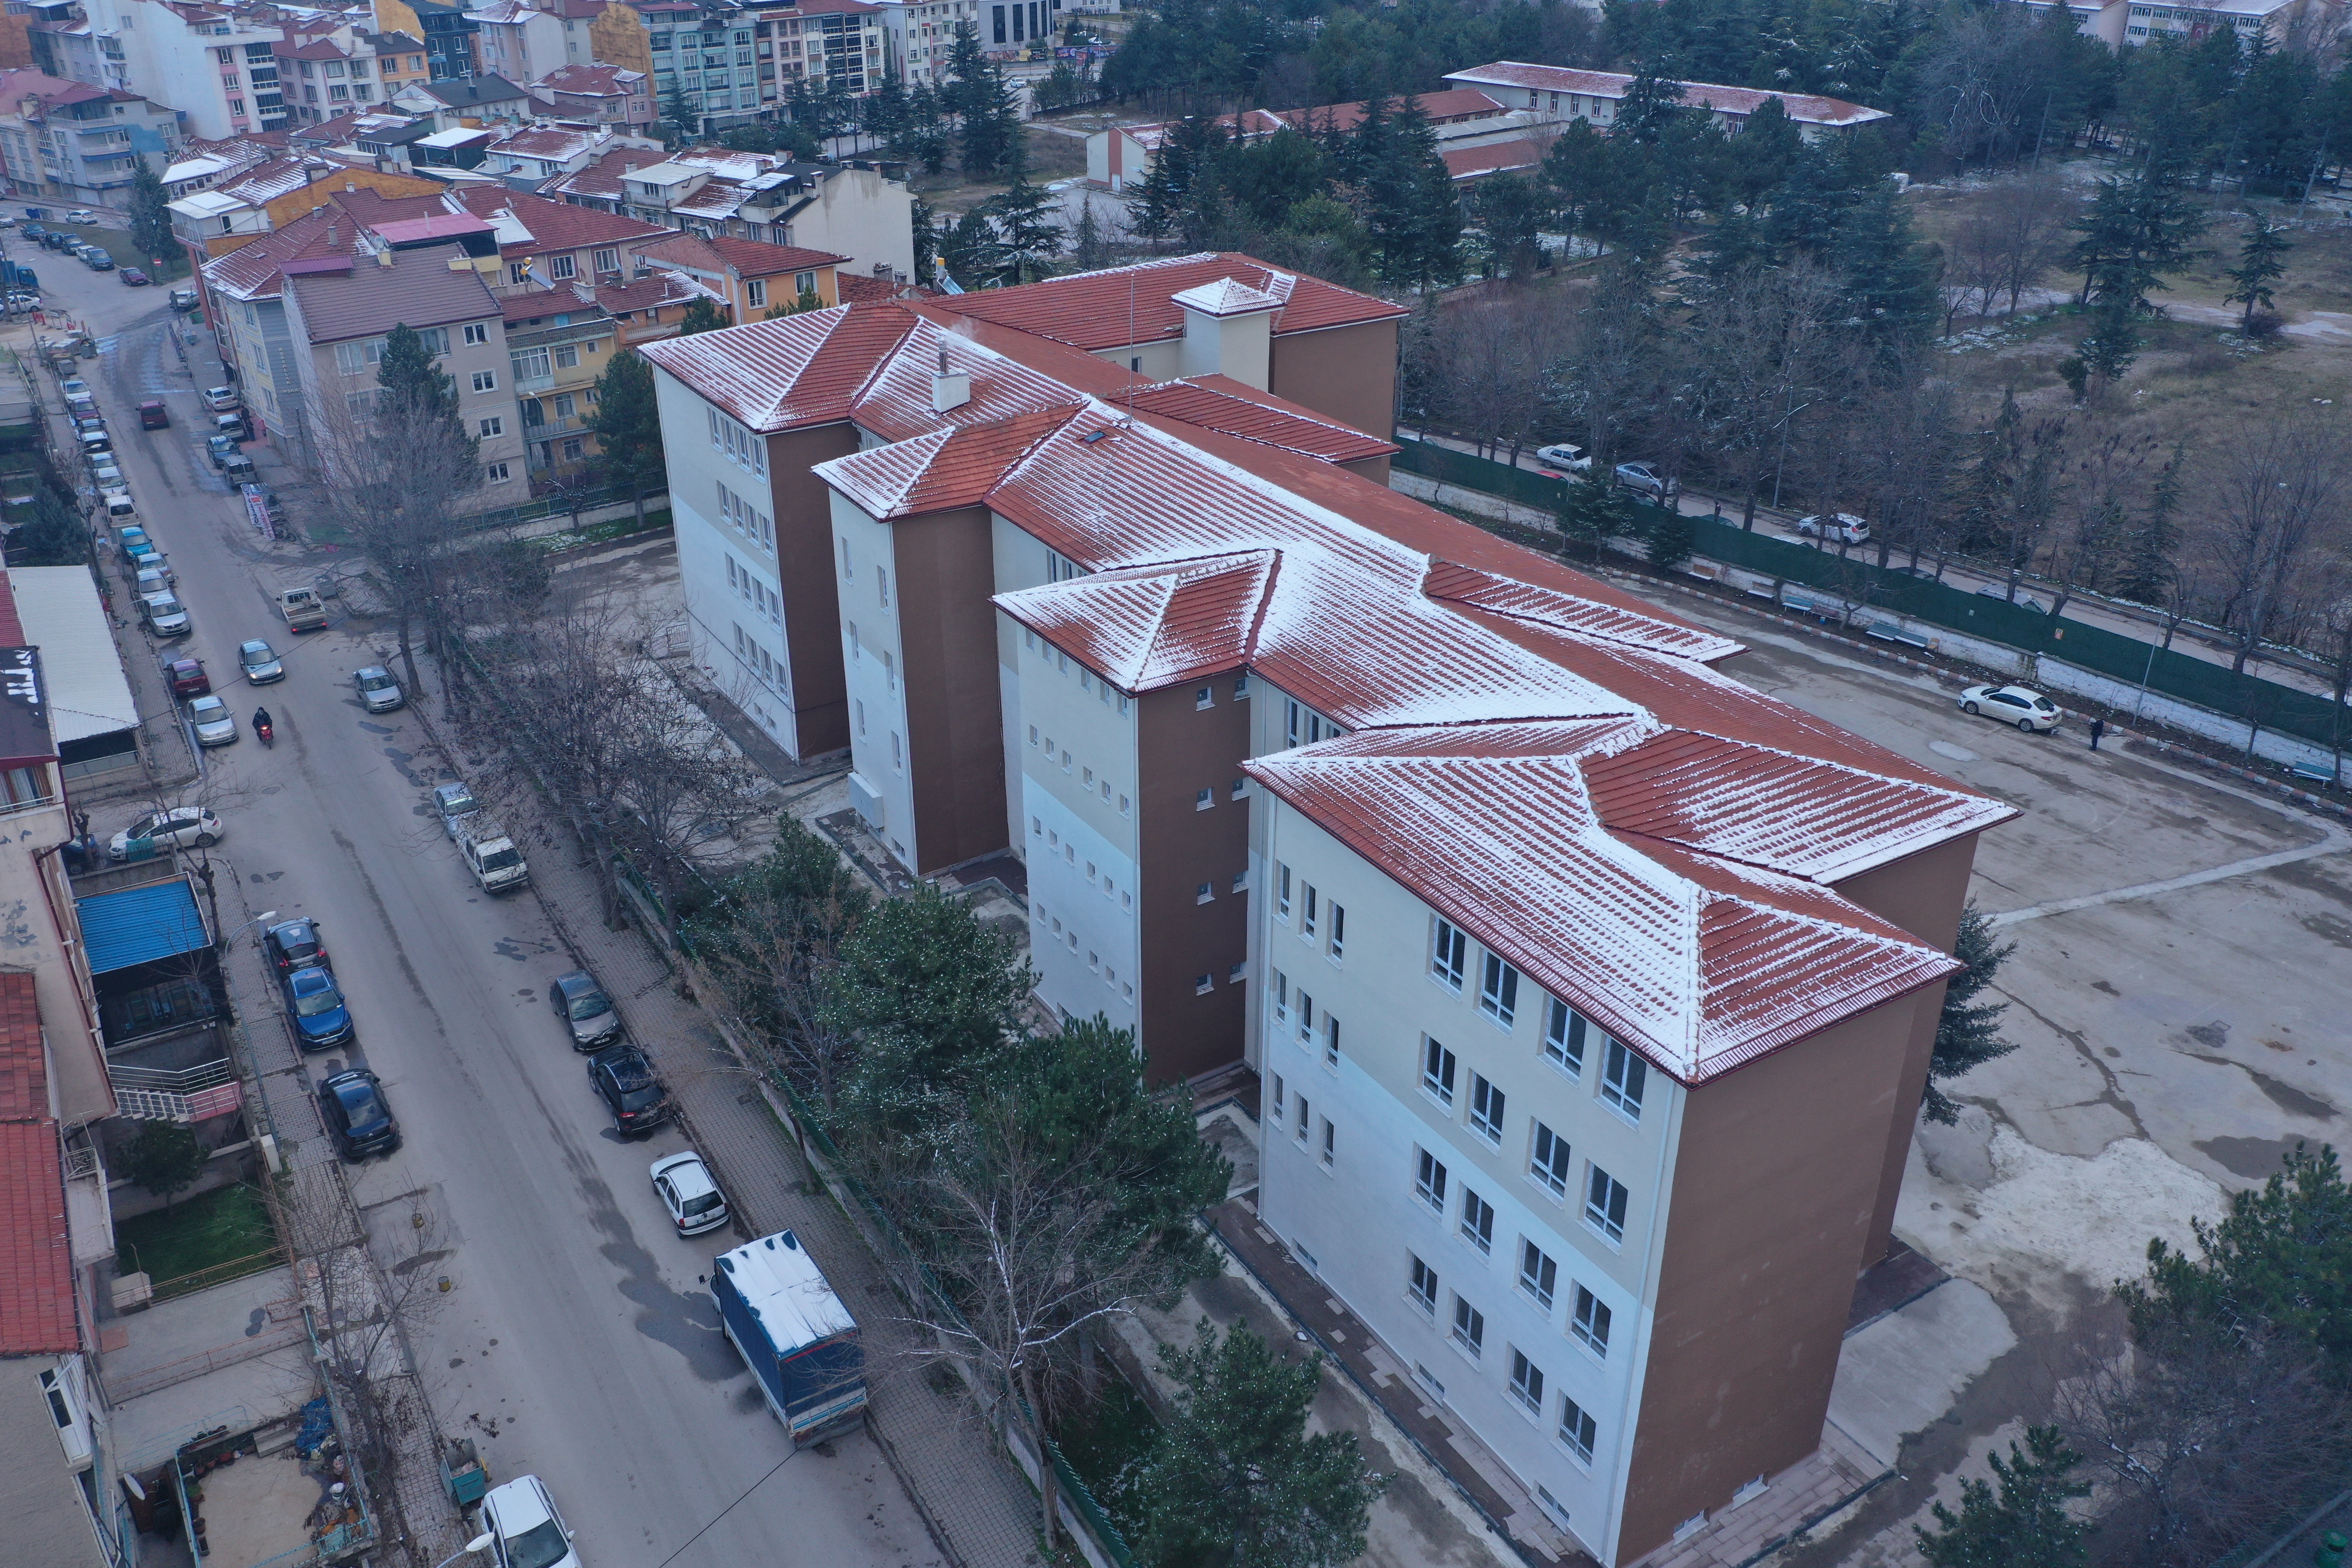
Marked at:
<point>1135,305</point>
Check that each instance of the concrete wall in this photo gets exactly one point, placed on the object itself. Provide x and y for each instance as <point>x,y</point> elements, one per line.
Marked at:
<point>863,215</point>
<point>874,679</point>
<point>1185,746</point>
<point>48,1522</point>
<point>1346,372</point>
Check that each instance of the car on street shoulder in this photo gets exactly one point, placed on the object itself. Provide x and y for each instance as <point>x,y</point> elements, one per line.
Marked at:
<point>2018,705</point>
<point>585,1010</point>
<point>220,449</point>
<point>260,661</point>
<point>187,676</point>
<point>379,692</point>
<point>1843,526</point>
<point>220,399</point>
<point>686,1188</point>
<point>81,215</point>
<point>352,1106</point>
<point>74,387</point>
<point>624,1079</point>
<point>1565,454</point>
<point>180,828</point>
<point>315,1002</point>
<point>98,261</point>
<point>296,944</point>
<point>135,279</point>
<point>215,725</point>
<point>1641,476</point>
<point>2023,600</point>
<point>525,1530</point>
<point>453,803</point>
<point>164,615</point>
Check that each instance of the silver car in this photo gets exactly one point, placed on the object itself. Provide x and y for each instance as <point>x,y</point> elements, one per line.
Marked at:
<point>453,803</point>
<point>259,662</point>
<point>1641,476</point>
<point>2018,705</point>
<point>215,725</point>
<point>379,692</point>
<point>585,1010</point>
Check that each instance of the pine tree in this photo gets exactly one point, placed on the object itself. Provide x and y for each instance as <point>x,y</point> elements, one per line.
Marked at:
<point>966,67</point>
<point>685,120</point>
<point>1652,100</point>
<point>55,535</point>
<point>1890,279</point>
<point>1159,206</point>
<point>412,381</point>
<point>885,108</point>
<point>2149,574</point>
<point>1028,229</point>
<point>2112,345</point>
<point>926,242</point>
<point>626,424</point>
<point>1086,243</point>
<point>1968,1033</point>
<point>968,249</point>
<point>989,141</point>
<point>2018,1520</point>
<point>151,220</point>
<point>703,315</point>
<point>2262,261</point>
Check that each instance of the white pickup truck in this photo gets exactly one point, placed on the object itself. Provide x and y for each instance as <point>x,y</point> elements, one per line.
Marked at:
<point>497,865</point>
<point>303,610</point>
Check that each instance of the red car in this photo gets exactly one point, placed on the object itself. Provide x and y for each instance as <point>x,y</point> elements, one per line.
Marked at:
<point>132,276</point>
<point>187,676</point>
<point>153,416</point>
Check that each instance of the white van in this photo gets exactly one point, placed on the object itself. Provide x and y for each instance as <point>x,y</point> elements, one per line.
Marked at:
<point>119,508</point>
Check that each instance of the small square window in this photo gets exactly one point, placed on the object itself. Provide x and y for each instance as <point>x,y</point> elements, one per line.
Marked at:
<point>1237,973</point>
<point>1205,893</point>
<point>1241,687</point>
<point>1203,984</point>
<point>1206,698</point>
<point>1202,800</point>
<point>1123,806</point>
<point>1240,788</point>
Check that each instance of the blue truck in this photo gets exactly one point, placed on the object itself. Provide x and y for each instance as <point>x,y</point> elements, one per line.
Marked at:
<point>793,1333</point>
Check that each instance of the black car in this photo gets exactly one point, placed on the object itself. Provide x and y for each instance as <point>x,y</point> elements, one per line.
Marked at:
<point>357,1118</point>
<point>625,1080</point>
<point>296,944</point>
<point>585,1010</point>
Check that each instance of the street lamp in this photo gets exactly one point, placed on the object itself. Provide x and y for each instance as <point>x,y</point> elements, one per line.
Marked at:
<point>264,918</point>
<point>479,1544</point>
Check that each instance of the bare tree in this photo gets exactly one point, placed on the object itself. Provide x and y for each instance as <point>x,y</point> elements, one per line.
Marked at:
<point>2108,479</point>
<point>2029,216</point>
<point>2274,496</point>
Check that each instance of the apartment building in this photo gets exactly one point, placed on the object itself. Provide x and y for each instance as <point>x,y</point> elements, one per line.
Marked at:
<point>518,40</point>
<point>239,208</point>
<point>545,244</point>
<point>332,76</point>
<point>856,210</point>
<point>400,59</point>
<point>215,64</point>
<point>527,157</point>
<point>750,277</point>
<point>1010,29</point>
<point>70,142</point>
<point>559,341</point>
<point>468,101</point>
<point>922,35</point>
<point>598,94</point>
<point>1554,95</point>
<point>1591,991</point>
<point>447,32</point>
<point>1462,119</point>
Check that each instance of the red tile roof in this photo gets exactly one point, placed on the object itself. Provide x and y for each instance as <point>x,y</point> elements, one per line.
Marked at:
<point>953,467</point>
<point>37,1287</point>
<point>1805,107</point>
<point>1494,158</point>
<point>1153,627</point>
<point>1220,402</point>
<point>554,225</point>
<point>23,1060</point>
<point>1122,305</point>
<point>789,373</point>
<point>746,258</point>
<point>857,289</point>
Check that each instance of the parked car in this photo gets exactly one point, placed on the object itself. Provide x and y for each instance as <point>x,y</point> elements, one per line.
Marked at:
<point>97,260</point>
<point>625,1080</point>
<point>1843,526</point>
<point>693,1200</point>
<point>153,416</point>
<point>180,828</point>
<point>453,803</point>
<point>358,1119</point>
<point>379,692</point>
<point>524,1528</point>
<point>1641,476</point>
<point>213,723</point>
<point>232,426</point>
<point>187,676</point>
<point>2018,705</point>
<point>239,469</point>
<point>81,215</point>
<point>316,1004</point>
<point>220,449</point>
<point>105,475</point>
<point>164,615</point>
<point>20,300</point>
<point>259,662</point>
<point>184,300</point>
<point>2023,600</point>
<point>585,1010</point>
<point>220,399</point>
<point>296,944</point>
<point>88,424</point>
<point>135,279</point>
<point>80,402</point>
<point>1565,454</point>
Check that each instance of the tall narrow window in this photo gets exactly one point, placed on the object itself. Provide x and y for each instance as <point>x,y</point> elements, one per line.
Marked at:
<point>1299,1130</point>
<point>1437,1065</point>
<point>1448,954</point>
<point>1563,1042</point>
<point>1307,910</point>
<point>1306,1017</point>
<point>1330,1151</point>
<point>1469,1327</point>
<point>1623,1077</point>
<point>1274,1101</point>
<point>1577,1431</point>
<point>1604,1204</point>
<point>1338,916</point>
<point>882,584</point>
<point>1498,990</point>
<point>1527,1383</point>
<point>1477,1221</point>
<point>1278,986</point>
<point>1330,1041</point>
<point>1590,1322</point>
<point>1429,1180</point>
<point>1421,1286</point>
<point>1547,1161</point>
<point>1281,891</point>
<point>1538,1274</point>
<point>1486,1109</point>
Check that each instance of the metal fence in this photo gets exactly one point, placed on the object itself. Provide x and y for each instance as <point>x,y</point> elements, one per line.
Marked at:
<point>1857,583</point>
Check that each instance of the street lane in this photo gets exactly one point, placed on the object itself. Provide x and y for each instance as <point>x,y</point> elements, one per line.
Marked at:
<point>576,1339</point>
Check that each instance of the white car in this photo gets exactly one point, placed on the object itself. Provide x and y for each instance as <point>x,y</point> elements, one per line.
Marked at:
<point>1565,454</point>
<point>1842,526</point>
<point>220,399</point>
<point>177,828</point>
<point>379,692</point>
<point>81,215</point>
<point>215,725</point>
<point>684,1184</point>
<point>524,1529</point>
<point>2021,706</point>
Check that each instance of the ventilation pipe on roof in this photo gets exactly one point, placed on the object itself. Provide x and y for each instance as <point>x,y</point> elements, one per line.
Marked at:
<point>949,388</point>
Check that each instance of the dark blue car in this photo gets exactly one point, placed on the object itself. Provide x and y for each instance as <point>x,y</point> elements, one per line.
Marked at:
<point>351,1104</point>
<point>316,1004</point>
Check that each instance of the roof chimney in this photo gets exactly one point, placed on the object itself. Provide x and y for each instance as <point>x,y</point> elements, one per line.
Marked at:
<point>350,186</point>
<point>949,388</point>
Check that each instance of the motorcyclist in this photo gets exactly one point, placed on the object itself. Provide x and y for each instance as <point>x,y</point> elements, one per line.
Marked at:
<point>261,719</point>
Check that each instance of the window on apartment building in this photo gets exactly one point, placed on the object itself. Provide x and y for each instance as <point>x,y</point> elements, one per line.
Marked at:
<point>1281,891</point>
<point>1305,1016</point>
<point>1278,986</point>
<point>1421,1285</point>
<point>1204,893</point>
<point>528,364</point>
<point>1206,696</point>
<point>1330,1041</point>
<point>1538,1274</point>
<point>1548,1160</point>
<point>1239,788</point>
<point>1469,1328</point>
<point>496,425</point>
<point>479,333</point>
<point>1429,1179</point>
<point>756,291</point>
<point>1486,1109</point>
<point>1299,1127</point>
<point>1527,1383</point>
<point>1234,976</point>
<point>996,20</point>
<point>1590,1321</point>
<point>575,450</point>
<point>1576,1430</point>
<point>1203,799</point>
<point>889,671</point>
<point>1339,943</point>
<point>803,283</point>
<point>1448,953</point>
<point>897,753</point>
<point>1604,1203</point>
<point>1477,1221</point>
<point>566,405</point>
<point>1309,908</point>
<point>360,93</point>
<point>226,57</point>
<point>848,571</point>
<point>1563,1036</point>
<point>1329,1145</point>
<point>605,260</point>
<point>1241,686</point>
<point>882,585</point>
<point>434,338</point>
<point>1498,990</point>
<point>1437,1069</point>
<point>861,716</point>
<point>1624,1075</point>
<point>1274,1101</point>
<point>486,381</point>
<point>494,473</point>
<point>562,266</point>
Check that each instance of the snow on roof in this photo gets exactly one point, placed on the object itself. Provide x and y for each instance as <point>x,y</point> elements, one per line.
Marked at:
<point>1152,626</point>
<point>1122,305</point>
<point>1569,613</point>
<point>1805,108</point>
<point>786,1291</point>
<point>1220,402</point>
<point>455,136</point>
<point>1226,296</point>
<point>1494,158</point>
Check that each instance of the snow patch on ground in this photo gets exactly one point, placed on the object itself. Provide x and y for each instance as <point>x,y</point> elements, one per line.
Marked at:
<point>2093,1218</point>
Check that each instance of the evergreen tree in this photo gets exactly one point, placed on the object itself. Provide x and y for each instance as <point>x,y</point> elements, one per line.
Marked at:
<point>1414,218</point>
<point>2137,230</point>
<point>1968,1032</point>
<point>1159,206</point>
<point>1653,101</point>
<point>151,220</point>
<point>935,995</point>
<point>1086,243</point>
<point>1766,149</point>
<point>2147,573</point>
<point>55,535</point>
<point>1593,511</point>
<point>1890,280</point>
<point>1668,538</point>
<point>2018,1520</point>
<point>1576,171</point>
<point>412,381</point>
<point>627,427</point>
<point>1028,227</point>
<point>989,141</point>
<point>2110,347</point>
<point>885,114</point>
<point>2262,261</point>
<point>1233,1477</point>
<point>703,315</point>
<point>684,119</point>
<point>968,249</point>
<point>1510,211</point>
<point>926,241</point>
<point>165,1158</point>
<point>966,68</point>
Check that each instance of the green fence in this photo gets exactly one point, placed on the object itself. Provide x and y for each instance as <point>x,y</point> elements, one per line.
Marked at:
<point>1852,579</point>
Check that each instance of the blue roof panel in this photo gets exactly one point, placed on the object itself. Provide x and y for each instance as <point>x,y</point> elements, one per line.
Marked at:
<point>140,925</point>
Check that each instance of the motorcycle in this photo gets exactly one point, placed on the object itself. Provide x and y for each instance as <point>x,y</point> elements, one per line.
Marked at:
<point>262,727</point>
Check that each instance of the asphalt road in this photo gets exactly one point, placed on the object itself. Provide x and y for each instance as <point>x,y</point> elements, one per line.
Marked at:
<point>576,1339</point>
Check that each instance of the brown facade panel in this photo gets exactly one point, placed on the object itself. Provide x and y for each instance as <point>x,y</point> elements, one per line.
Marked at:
<point>1776,1176</point>
<point>1346,372</point>
<point>955,731</point>
<point>804,577</point>
<point>1180,750</point>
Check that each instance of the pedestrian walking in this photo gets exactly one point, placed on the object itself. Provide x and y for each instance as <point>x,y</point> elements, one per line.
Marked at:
<point>2098,728</point>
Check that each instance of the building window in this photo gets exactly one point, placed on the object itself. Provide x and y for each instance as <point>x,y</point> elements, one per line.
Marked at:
<point>1576,1430</point>
<point>1206,698</point>
<point>608,260</point>
<point>1447,956</point>
<point>1486,1110</point>
<point>1563,1044</point>
<point>1437,1065</point>
<point>1429,1180</point>
<point>1202,985</point>
<point>1477,1221</point>
<point>563,266</point>
<point>882,584</point>
<point>1421,1286</point>
<point>1604,1204</point>
<point>1307,910</point>
<point>518,272</point>
<point>494,473</point>
<point>1298,1127</point>
<point>1623,1077</point>
<point>1548,1162</point>
<point>1329,1150</point>
<point>1274,1103</point>
<point>1498,990</point>
<point>803,283</point>
<point>1338,932</point>
<point>1281,891</point>
<point>1205,893</point>
<point>1469,1328</point>
<point>1527,1383</point>
<point>899,757</point>
<point>1330,1041</point>
<point>1590,1322</point>
<point>496,425</point>
<point>1240,788</point>
<point>479,333</point>
<point>1538,1274</point>
<point>1203,799</point>
<point>756,292</point>
<point>486,381</point>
